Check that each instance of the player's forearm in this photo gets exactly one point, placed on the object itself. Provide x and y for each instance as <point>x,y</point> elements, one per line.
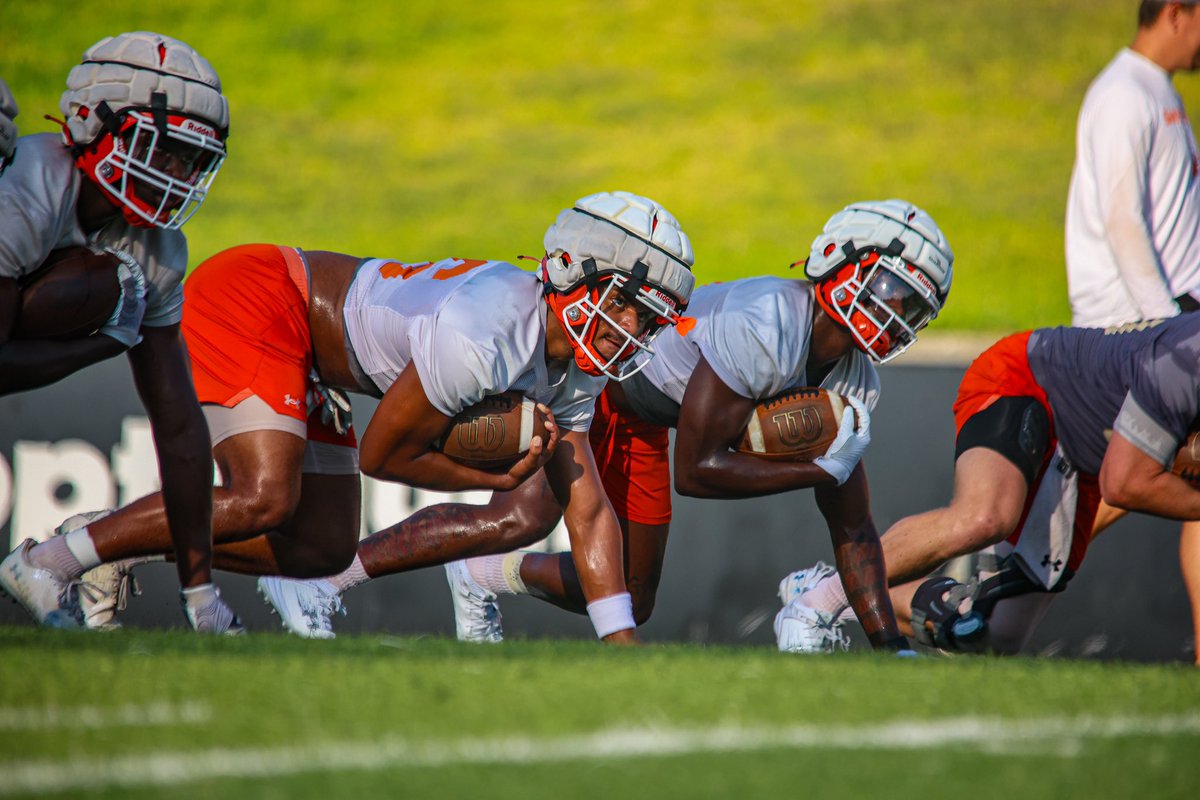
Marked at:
<point>434,471</point>
<point>1164,495</point>
<point>597,552</point>
<point>187,477</point>
<point>31,364</point>
<point>864,577</point>
<point>732,475</point>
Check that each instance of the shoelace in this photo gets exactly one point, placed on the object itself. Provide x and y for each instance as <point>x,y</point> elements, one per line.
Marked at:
<point>127,586</point>
<point>321,612</point>
<point>68,597</point>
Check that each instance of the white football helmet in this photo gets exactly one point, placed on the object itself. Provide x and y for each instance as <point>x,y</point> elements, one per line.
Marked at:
<point>8,128</point>
<point>147,122</point>
<point>883,270</point>
<point>611,248</point>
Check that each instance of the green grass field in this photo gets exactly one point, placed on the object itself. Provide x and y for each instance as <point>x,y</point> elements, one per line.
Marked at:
<point>421,129</point>
<point>426,129</point>
<point>137,714</point>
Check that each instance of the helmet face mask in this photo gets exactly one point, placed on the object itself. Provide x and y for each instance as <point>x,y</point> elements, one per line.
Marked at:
<point>881,300</point>
<point>159,175</point>
<point>610,250</point>
<point>146,121</point>
<point>585,310</point>
<point>882,269</point>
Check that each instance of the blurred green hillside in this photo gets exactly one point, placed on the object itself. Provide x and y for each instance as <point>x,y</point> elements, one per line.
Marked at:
<point>460,127</point>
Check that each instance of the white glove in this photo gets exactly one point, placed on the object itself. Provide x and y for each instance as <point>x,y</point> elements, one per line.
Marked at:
<point>334,405</point>
<point>126,319</point>
<point>844,453</point>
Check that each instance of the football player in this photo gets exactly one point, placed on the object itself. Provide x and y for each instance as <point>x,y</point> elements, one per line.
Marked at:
<point>8,125</point>
<point>1049,422</point>
<point>143,138</point>
<point>274,333</point>
<point>880,271</point>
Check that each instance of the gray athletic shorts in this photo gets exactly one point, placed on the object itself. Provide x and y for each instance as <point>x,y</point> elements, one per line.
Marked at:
<point>253,414</point>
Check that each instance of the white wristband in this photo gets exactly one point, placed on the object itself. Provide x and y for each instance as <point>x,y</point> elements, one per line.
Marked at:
<point>611,614</point>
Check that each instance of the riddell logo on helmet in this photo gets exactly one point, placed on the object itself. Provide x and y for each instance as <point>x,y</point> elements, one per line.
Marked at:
<point>921,278</point>
<point>192,126</point>
<point>665,298</point>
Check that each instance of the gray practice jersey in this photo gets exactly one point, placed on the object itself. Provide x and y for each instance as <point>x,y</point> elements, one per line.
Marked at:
<point>470,328</point>
<point>38,197</point>
<point>1144,384</point>
<point>755,334</point>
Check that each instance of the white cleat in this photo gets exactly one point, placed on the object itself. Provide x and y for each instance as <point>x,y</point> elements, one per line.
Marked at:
<point>797,583</point>
<point>306,607</point>
<point>103,590</point>
<point>215,618</point>
<point>49,599</point>
<point>801,629</point>
<point>802,581</point>
<point>476,612</point>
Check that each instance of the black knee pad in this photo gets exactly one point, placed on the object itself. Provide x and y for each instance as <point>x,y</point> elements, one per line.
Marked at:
<point>1017,428</point>
<point>950,629</point>
<point>1011,581</point>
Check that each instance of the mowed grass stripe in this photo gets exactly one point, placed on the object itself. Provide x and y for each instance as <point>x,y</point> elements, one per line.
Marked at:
<point>153,714</point>
<point>1066,737</point>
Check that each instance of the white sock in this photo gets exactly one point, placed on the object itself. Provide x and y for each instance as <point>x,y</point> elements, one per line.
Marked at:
<point>200,597</point>
<point>499,574</point>
<point>828,595</point>
<point>67,556</point>
<point>352,576</point>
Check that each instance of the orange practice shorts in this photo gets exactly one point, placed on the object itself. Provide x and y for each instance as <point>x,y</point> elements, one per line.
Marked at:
<point>245,321</point>
<point>634,463</point>
<point>1003,371</point>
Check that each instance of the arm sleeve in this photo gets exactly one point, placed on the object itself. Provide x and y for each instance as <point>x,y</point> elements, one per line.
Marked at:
<point>1161,404</point>
<point>749,355</point>
<point>165,263</point>
<point>1121,129</point>
<point>576,405</point>
<point>32,210</point>
<point>855,376</point>
<point>457,371</point>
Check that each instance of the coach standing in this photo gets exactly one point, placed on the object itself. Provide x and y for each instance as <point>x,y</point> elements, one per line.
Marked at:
<point>1133,211</point>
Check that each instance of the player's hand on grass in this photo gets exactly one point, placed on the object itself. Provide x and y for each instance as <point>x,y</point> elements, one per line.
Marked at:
<point>126,319</point>
<point>847,449</point>
<point>541,449</point>
<point>625,638</point>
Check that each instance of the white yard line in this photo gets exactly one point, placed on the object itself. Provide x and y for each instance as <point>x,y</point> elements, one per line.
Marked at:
<point>158,714</point>
<point>1052,736</point>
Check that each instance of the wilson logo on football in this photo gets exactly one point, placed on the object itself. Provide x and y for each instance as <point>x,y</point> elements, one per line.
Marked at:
<point>483,434</point>
<point>797,427</point>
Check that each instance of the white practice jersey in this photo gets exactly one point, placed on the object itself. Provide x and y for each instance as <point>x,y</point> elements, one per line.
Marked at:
<point>1133,211</point>
<point>755,334</point>
<point>38,197</point>
<point>471,328</point>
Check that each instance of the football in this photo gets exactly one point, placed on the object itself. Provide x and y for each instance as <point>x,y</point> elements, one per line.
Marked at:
<point>494,433</point>
<point>72,294</point>
<point>1187,459</point>
<point>795,425</point>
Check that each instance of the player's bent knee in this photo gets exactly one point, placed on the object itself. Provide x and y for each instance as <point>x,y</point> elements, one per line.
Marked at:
<point>526,524</point>
<point>975,530</point>
<point>266,510</point>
